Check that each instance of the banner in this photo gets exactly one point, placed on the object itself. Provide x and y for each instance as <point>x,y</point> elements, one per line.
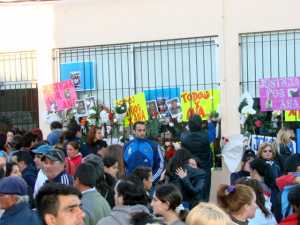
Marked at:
<point>199,102</point>
<point>257,140</point>
<point>59,96</point>
<point>279,93</point>
<point>81,74</point>
<point>136,108</point>
<point>163,102</point>
<point>292,115</point>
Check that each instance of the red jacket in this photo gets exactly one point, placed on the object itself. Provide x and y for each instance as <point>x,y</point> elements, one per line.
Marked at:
<point>73,163</point>
<point>290,220</point>
<point>285,180</point>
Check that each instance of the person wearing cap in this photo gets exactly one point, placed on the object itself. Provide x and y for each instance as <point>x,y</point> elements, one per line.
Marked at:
<point>41,176</point>
<point>197,142</point>
<point>14,200</point>
<point>59,204</point>
<point>54,165</point>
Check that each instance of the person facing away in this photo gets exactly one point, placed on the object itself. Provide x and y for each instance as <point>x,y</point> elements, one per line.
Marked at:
<point>197,142</point>
<point>59,204</point>
<point>143,152</point>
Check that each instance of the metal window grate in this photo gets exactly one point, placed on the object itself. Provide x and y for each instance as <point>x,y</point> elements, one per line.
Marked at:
<point>18,89</point>
<point>268,54</point>
<point>124,69</point>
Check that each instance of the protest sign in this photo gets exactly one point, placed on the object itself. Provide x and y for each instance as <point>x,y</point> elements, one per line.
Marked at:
<point>59,96</point>
<point>199,102</point>
<point>279,93</point>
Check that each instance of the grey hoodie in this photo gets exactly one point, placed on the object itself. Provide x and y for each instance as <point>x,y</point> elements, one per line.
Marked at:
<point>121,215</point>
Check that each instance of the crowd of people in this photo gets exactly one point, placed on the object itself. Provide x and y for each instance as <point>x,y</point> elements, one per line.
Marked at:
<point>65,179</point>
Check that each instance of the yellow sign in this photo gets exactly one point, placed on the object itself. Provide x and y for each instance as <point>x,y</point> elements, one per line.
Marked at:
<point>292,115</point>
<point>199,102</point>
<point>136,108</point>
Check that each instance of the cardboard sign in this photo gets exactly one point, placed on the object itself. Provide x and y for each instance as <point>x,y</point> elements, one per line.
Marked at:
<point>279,93</point>
<point>136,108</point>
<point>59,96</point>
<point>199,102</point>
<point>292,115</point>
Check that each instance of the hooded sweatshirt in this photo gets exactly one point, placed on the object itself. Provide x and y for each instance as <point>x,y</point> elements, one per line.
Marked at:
<point>121,215</point>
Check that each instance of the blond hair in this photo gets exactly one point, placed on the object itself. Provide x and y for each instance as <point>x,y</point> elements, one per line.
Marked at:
<point>283,136</point>
<point>263,146</point>
<point>205,213</point>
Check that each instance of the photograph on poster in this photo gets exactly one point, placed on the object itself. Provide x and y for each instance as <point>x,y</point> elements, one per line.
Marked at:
<point>90,103</point>
<point>81,108</point>
<point>174,107</point>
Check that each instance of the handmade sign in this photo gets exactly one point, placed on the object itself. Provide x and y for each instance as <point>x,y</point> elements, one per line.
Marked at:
<point>257,140</point>
<point>199,102</point>
<point>136,108</point>
<point>59,96</point>
<point>279,93</point>
<point>163,102</point>
<point>292,115</point>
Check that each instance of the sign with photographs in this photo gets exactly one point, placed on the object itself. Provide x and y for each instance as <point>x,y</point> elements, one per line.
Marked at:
<point>199,102</point>
<point>279,93</point>
<point>163,102</point>
<point>59,96</point>
<point>81,74</point>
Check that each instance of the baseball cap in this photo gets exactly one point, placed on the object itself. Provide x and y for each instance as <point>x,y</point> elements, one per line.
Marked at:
<point>43,149</point>
<point>55,155</point>
<point>13,185</point>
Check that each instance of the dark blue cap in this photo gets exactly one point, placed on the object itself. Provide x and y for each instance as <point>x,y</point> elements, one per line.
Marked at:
<point>13,185</point>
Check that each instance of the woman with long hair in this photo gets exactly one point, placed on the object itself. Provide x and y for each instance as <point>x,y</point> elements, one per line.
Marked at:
<point>95,139</point>
<point>239,201</point>
<point>164,203</point>
<point>263,215</point>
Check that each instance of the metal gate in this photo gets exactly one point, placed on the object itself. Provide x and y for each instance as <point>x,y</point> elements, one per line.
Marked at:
<point>19,89</point>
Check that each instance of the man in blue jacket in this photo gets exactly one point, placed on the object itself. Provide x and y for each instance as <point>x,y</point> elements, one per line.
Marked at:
<point>143,152</point>
<point>14,200</point>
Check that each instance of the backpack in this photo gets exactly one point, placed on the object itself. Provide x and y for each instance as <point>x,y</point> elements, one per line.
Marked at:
<point>138,152</point>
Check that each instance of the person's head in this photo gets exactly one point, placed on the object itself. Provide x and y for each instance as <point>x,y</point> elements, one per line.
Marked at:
<point>30,140</point>
<point>12,189</point>
<point>180,159</point>
<point>259,192</point>
<point>283,136</point>
<point>56,125</point>
<point>167,198</point>
<point>73,130</point>
<point>95,133</point>
<point>247,157</point>
<point>116,151</point>
<point>17,142</point>
<point>139,129</point>
<point>85,176</point>
<point>111,166</point>
<point>195,123</point>
<point>262,171</point>
<point>54,163</point>
<point>12,169</point>
<point>294,200</point>
<point>266,151</point>
<point>129,193</point>
<point>207,214</point>
<point>23,159</point>
<point>59,204</point>
<point>39,152</point>
<point>100,148</point>
<point>292,163</point>
<point>72,149</point>
<point>9,136</point>
<point>38,132</point>
<point>144,174</point>
<point>237,199</point>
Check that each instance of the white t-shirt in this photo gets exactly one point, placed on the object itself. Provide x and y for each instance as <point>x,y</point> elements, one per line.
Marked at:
<point>40,180</point>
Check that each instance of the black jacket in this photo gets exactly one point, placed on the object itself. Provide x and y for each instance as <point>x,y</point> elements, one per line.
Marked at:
<point>198,144</point>
<point>191,186</point>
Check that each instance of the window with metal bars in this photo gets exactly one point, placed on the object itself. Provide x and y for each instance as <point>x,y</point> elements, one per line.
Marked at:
<point>122,70</point>
<point>268,54</point>
<point>18,89</point>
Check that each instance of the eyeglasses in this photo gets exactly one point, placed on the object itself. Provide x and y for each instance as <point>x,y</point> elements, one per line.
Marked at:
<point>267,150</point>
